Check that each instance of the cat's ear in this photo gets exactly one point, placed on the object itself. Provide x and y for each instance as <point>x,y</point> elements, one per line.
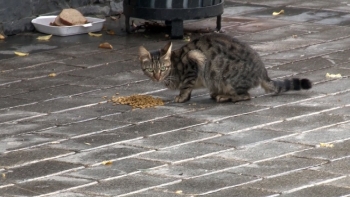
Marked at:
<point>144,55</point>
<point>166,51</point>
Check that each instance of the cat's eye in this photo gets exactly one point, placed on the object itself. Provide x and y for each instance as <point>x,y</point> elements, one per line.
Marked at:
<point>149,69</point>
<point>163,68</point>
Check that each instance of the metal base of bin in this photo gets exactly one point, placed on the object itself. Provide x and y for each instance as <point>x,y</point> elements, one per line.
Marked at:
<point>173,17</point>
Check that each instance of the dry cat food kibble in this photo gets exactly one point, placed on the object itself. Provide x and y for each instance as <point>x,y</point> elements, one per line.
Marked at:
<point>138,101</point>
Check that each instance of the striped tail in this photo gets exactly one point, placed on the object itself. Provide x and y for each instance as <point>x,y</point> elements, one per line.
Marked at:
<point>286,85</point>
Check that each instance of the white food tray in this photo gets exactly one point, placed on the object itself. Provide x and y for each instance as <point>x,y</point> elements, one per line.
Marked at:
<point>42,24</point>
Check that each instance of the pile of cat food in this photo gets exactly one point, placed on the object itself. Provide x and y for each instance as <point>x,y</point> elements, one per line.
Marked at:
<point>138,101</point>
<point>69,17</point>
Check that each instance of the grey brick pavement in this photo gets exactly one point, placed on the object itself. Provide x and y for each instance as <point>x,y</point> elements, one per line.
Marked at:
<point>55,132</point>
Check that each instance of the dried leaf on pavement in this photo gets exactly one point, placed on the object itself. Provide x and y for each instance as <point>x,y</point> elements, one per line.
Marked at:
<point>44,38</point>
<point>105,45</point>
<point>94,35</point>
<point>52,75</point>
<point>106,163</point>
<point>21,53</point>
<point>2,37</point>
<point>110,32</point>
<point>327,145</point>
<point>278,13</point>
<point>333,76</point>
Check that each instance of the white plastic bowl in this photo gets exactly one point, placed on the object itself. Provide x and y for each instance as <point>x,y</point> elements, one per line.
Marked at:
<point>42,24</point>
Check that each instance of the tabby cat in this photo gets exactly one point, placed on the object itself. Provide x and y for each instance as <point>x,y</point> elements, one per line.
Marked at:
<point>223,64</point>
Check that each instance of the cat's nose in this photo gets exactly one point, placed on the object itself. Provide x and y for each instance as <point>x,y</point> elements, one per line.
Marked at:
<point>156,76</point>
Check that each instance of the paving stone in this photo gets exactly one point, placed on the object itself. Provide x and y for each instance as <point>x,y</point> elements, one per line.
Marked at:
<point>75,194</point>
<point>156,193</point>
<point>284,32</point>
<point>284,44</point>
<point>162,125</point>
<point>12,115</point>
<point>17,158</point>
<point>320,75</point>
<point>183,152</point>
<point>79,50</point>
<point>344,182</point>
<point>288,182</point>
<point>330,134</point>
<point>208,183</point>
<point>307,123</point>
<point>277,166</point>
<point>96,140</point>
<point>30,60</point>
<point>37,170</point>
<point>101,58</point>
<point>137,116</point>
<point>107,69</point>
<point>236,123</point>
<point>170,139</point>
<point>53,93</point>
<point>307,65</point>
<point>219,111</point>
<point>281,99</point>
<point>264,151</point>
<point>117,168</point>
<point>292,111</point>
<point>241,9</point>
<point>247,138</point>
<point>83,114</point>
<point>40,83</point>
<point>102,154</point>
<point>126,184</point>
<point>242,191</point>
<point>339,57</point>
<point>111,81</point>
<point>340,166</point>
<point>60,104</point>
<point>83,128</point>
<point>330,34</point>
<point>344,111</point>
<point>42,70</point>
<point>332,86</point>
<point>340,150</point>
<point>296,14</point>
<point>43,186</point>
<point>260,25</point>
<point>194,167</point>
<point>320,190</point>
<point>15,128</point>
<point>269,2</point>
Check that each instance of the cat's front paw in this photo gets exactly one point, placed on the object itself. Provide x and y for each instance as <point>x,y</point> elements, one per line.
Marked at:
<point>181,99</point>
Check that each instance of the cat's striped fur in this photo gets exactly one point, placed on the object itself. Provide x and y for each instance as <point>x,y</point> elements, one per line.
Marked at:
<point>223,64</point>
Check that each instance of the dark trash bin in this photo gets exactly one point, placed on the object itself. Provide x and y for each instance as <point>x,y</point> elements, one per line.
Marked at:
<point>173,12</point>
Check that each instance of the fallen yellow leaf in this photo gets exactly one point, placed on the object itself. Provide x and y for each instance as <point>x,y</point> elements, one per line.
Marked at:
<point>326,145</point>
<point>278,13</point>
<point>187,38</point>
<point>178,192</point>
<point>44,38</point>
<point>106,163</point>
<point>2,37</point>
<point>52,75</point>
<point>3,175</point>
<point>110,32</point>
<point>105,45</point>
<point>94,35</point>
<point>21,54</point>
<point>334,76</point>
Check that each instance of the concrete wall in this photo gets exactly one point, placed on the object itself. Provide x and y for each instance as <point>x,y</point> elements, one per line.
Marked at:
<point>16,15</point>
